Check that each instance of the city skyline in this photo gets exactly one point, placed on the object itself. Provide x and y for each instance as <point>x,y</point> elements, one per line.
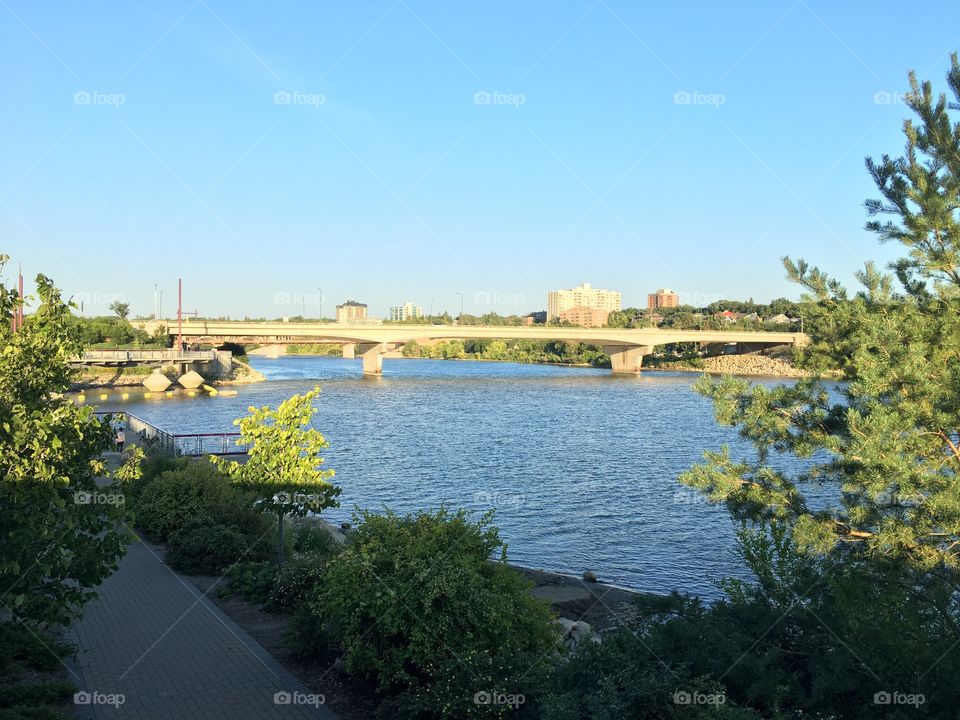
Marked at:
<point>407,145</point>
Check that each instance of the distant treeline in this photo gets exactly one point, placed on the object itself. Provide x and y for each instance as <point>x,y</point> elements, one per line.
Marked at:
<point>526,351</point>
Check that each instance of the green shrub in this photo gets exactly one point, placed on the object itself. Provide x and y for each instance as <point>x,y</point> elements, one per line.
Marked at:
<point>196,493</point>
<point>30,666</point>
<point>411,598</point>
<point>207,550</point>
<point>298,581</point>
<point>311,536</point>
<point>251,580</point>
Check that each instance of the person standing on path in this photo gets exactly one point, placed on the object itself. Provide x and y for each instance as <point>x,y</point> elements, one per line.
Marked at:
<point>121,438</point>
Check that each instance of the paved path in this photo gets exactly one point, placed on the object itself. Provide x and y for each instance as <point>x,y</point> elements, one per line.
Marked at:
<point>154,638</point>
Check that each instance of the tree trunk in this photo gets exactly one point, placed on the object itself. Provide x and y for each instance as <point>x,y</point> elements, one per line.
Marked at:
<point>280,539</point>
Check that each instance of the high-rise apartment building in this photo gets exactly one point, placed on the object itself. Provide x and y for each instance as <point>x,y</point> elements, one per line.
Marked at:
<point>407,311</point>
<point>351,311</point>
<point>583,296</point>
<point>663,298</point>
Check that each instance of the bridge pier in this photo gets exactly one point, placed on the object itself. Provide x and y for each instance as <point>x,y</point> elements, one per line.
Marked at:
<point>349,350</point>
<point>627,359</point>
<point>372,355</point>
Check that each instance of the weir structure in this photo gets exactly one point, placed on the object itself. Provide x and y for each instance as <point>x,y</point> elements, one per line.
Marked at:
<point>371,342</point>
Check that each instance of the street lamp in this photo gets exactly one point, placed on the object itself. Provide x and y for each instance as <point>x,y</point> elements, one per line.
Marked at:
<point>320,303</point>
<point>460,319</point>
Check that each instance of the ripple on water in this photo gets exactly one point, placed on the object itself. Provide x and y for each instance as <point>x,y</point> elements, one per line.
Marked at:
<point>579,465</point>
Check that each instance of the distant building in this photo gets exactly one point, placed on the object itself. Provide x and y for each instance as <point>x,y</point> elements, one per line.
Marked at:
<point>663,298</point>
<point>585,316</point>
<point>583,296</point>
<point>779,319</point>
<point>535,318</point>
<point>407,311</point>
<point>351,311</point>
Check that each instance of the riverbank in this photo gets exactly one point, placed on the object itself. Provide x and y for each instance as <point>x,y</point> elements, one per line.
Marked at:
<point>746,365</point>
<point>129,377</point>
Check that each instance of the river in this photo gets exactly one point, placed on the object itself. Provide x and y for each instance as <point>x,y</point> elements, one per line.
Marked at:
<point>580,465</point>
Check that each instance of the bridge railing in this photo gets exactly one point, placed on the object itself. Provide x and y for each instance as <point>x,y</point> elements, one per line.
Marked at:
<point>143,355</point>
<point>180,444</point>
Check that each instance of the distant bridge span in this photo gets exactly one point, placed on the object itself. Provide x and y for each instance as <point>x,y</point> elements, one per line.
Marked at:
<point>625,347</point>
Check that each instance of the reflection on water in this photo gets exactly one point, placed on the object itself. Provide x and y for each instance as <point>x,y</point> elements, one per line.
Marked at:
<point>580,465</point>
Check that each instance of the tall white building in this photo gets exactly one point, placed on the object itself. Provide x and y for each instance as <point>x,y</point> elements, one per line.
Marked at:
<point>583,296</point>
<point>399,313</point>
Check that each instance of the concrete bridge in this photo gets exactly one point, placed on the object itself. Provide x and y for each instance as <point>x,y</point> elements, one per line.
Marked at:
<point>625,347</point>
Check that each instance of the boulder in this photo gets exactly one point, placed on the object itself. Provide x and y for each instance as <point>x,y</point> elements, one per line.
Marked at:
<point>590,576</point>
<point>191,380</point>
<point>156,381</point>
<point>574,632</point>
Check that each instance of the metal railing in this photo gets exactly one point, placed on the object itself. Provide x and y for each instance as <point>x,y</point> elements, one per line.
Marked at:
<point>180,444</point>
<point>146,355</point>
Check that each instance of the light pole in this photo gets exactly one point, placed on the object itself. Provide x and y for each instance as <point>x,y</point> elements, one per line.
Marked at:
<point>320,303</point>
<point>460,319</point>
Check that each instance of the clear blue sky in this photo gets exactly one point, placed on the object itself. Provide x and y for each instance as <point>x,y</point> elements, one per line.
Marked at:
<point>143,141</point>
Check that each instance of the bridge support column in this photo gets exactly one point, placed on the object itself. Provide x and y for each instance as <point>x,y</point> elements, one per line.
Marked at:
<point>372,354</point>
<point>349,350</point>
<point>627,360</point>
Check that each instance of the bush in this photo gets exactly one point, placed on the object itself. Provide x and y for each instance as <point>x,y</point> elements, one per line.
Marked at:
<point>31,687</point>
<point>298,581</point>
<point>196,493</point>
<point>202,550</point>
<point>311,536</point>
<point>413,597</point>
<point>251,580</point>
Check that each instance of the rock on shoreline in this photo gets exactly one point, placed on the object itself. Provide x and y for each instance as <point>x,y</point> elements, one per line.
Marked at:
<point>756,365</point>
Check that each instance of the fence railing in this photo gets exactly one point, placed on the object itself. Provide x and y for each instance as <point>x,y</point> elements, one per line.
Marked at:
<point>141,355</point>
<point>184,444</point>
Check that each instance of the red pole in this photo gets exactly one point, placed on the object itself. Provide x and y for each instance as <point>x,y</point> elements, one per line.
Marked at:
<point>179,315</point>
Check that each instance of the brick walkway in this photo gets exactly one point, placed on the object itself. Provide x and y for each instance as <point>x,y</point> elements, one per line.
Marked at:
<point>154,638</point>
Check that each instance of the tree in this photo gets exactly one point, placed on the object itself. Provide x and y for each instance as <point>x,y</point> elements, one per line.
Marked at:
<point>61,532</point>
<point>892,429</point>
<point>284,465</point>
<point>120,309</point>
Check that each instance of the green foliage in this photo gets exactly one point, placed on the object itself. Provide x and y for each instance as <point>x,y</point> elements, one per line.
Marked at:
<point>207,550</point>
<point>536,351</point>
<point>30,668</point>
<point>314,537</point>
<point>120,309</point>
<point>55,547</point>
<point>251,580</point>
<point>283,468</point>
<point>298,581</point>
<point>195,493</point>
<point>413,597</point>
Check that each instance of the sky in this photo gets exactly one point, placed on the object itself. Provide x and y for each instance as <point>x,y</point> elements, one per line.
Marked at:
<point>285,157</point>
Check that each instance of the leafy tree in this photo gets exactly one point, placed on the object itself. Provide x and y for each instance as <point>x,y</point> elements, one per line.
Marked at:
<point>61,533</point>
<point>284,464</point>
<point>120,309</point>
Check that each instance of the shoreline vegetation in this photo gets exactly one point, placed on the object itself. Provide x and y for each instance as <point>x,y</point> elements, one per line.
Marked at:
<point>241,373</point>
<point>778,363</point>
